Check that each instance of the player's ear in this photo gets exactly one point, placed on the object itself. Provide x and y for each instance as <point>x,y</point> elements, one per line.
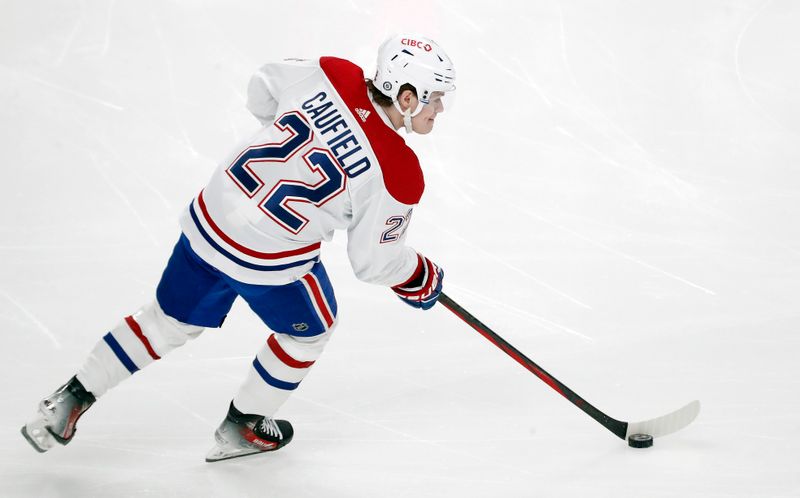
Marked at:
<point>407,100</point>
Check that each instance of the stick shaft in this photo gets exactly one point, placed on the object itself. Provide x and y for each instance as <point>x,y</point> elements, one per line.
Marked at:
<point>615,426</point>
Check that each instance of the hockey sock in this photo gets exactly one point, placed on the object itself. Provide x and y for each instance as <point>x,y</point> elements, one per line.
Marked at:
<point>136,342</point>
<point>279,367</point>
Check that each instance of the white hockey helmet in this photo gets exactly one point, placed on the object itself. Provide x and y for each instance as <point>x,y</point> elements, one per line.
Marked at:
<point>417,60</point>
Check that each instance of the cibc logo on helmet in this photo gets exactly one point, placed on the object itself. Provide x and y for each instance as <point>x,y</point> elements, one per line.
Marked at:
<point>414,43</point>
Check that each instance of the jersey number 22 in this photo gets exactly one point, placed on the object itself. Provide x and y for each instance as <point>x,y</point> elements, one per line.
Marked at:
<point>276,203</point>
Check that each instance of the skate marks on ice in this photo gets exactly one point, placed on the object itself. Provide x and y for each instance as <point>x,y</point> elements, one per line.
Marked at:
<point>38,325</point>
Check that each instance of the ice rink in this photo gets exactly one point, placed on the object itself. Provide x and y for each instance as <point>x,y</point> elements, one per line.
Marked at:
<point>616,192</point>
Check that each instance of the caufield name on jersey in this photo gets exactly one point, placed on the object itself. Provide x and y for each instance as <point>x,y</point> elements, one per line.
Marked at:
<point>340,138</point>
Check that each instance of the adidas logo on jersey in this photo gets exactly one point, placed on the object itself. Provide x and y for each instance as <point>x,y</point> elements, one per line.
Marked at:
<point>363,114</point>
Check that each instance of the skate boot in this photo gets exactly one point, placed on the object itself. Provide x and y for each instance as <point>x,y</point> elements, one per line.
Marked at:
<point>58,414</point>
<point>244,434</point>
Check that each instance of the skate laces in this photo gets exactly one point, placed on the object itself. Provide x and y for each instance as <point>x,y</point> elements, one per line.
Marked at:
<point>269,427</point>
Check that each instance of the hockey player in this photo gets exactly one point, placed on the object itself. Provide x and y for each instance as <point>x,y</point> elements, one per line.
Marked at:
<point>328,157</point>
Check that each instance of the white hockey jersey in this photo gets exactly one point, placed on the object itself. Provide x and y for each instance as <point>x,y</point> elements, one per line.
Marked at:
<point>326,159</point>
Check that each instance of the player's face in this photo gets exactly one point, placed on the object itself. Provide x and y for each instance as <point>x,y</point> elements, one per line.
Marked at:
<point>422,123</point>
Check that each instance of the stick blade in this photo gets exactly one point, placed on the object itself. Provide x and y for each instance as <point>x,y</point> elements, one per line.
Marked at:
<point>666,424</point>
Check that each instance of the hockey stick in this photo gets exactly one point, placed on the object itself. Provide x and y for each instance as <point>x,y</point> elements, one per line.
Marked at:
<point>659,426</point>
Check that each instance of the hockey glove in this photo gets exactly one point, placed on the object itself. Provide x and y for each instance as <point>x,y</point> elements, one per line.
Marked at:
<point>423,288</point>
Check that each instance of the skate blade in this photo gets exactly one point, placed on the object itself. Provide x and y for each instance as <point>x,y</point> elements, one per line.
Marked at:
<point>219,453</point>
<point>47,440</point>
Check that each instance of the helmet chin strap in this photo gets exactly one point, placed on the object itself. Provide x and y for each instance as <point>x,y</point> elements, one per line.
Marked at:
<point>407,114</point>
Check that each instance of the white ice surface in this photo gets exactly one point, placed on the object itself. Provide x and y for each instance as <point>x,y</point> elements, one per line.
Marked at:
<point>616,193</point>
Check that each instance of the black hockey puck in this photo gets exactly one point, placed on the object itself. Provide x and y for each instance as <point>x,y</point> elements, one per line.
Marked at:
<point>640,440</point>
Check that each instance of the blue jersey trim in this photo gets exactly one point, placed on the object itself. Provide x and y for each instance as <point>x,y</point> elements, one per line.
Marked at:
<point>239,261</point>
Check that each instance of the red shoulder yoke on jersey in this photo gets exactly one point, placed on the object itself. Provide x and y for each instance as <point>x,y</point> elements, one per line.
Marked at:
<point>399,165</point>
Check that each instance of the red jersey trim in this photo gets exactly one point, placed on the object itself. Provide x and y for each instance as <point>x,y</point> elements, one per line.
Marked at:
<point>246,250</point>
<point>400,167</point>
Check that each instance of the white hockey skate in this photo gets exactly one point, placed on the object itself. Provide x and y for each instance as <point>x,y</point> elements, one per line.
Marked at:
<point>58,414</point>
<point>243,434</point>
